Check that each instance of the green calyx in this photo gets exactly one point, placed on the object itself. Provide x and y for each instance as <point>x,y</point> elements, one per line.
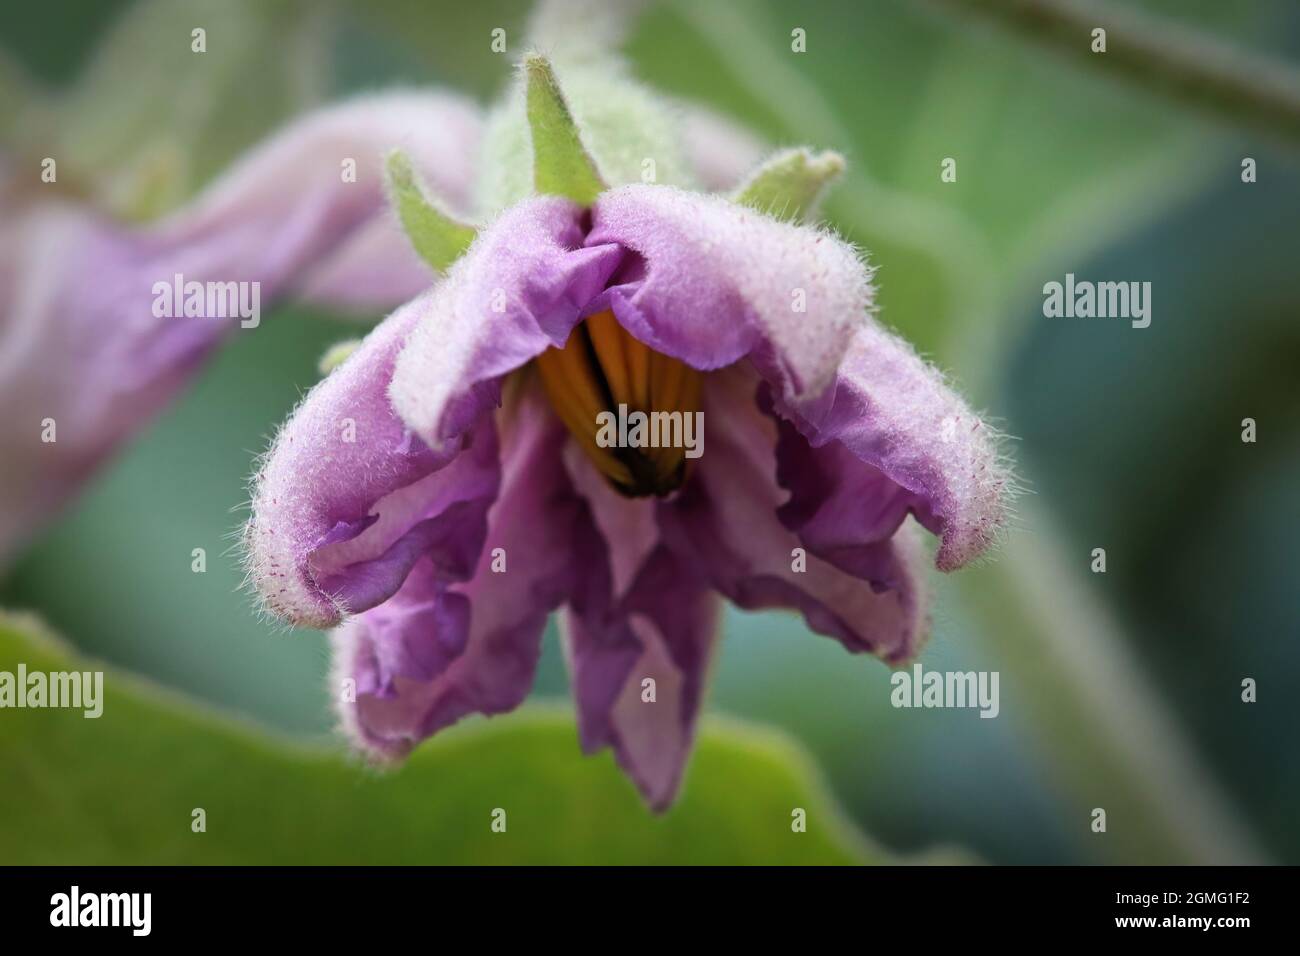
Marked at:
<point>791,184</point>
<point>439,238</point>
<point>561,164</point>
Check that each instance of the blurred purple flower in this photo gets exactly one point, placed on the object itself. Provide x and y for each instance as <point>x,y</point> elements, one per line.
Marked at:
<point>84,357</point>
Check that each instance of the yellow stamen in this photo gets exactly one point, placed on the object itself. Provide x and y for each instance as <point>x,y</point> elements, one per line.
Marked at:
<point>602,367</point>
<point>607,336</point>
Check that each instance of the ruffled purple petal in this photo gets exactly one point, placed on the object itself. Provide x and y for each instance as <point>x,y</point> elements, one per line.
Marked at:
<point>519,290</point>
<point>552,553</point>
<point>415,635</point>
<point>601,646</point>
<point>662,627</point>
<point>347,500</point>
<point>712,282</point>
<point>726,522</point>
<point>842,508</point>
<point>890,419</point>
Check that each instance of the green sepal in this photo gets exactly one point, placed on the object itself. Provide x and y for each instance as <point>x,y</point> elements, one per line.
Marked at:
<point>790,185</point>
<point>438,237</point>
<point>561,164</point>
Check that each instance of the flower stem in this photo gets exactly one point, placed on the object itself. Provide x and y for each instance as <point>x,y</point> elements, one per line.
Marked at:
<point>1108,738</point>
<point>1205,74</point>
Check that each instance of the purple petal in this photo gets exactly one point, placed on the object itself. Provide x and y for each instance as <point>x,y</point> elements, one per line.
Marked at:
<point>841,508</point>
<point>662,628</point>
<point>337,524</point>
<point>892,416</point>
<point>713,282</point>
<point>602,646</point>
<point>726,521</point>
<point>552,552</point>
<point>630,525</point>
<point>519,290</point>
<point>415,635</point>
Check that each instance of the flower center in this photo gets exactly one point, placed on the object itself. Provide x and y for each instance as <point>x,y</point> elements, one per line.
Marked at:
<point>602,381</point>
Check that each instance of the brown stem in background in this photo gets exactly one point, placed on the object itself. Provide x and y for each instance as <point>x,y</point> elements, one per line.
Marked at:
<point>1196,69</point>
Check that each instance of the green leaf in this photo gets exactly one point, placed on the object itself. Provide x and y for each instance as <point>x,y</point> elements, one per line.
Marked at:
<point>791,184</point>
<point>122,789</point>
<point>561,164</point>
<point>437,237</point>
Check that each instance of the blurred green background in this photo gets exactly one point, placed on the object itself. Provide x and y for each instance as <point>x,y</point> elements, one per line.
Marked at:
<point>1127,439</point>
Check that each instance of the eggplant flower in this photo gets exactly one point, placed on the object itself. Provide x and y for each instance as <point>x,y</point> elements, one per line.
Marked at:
<point>482,458</point>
